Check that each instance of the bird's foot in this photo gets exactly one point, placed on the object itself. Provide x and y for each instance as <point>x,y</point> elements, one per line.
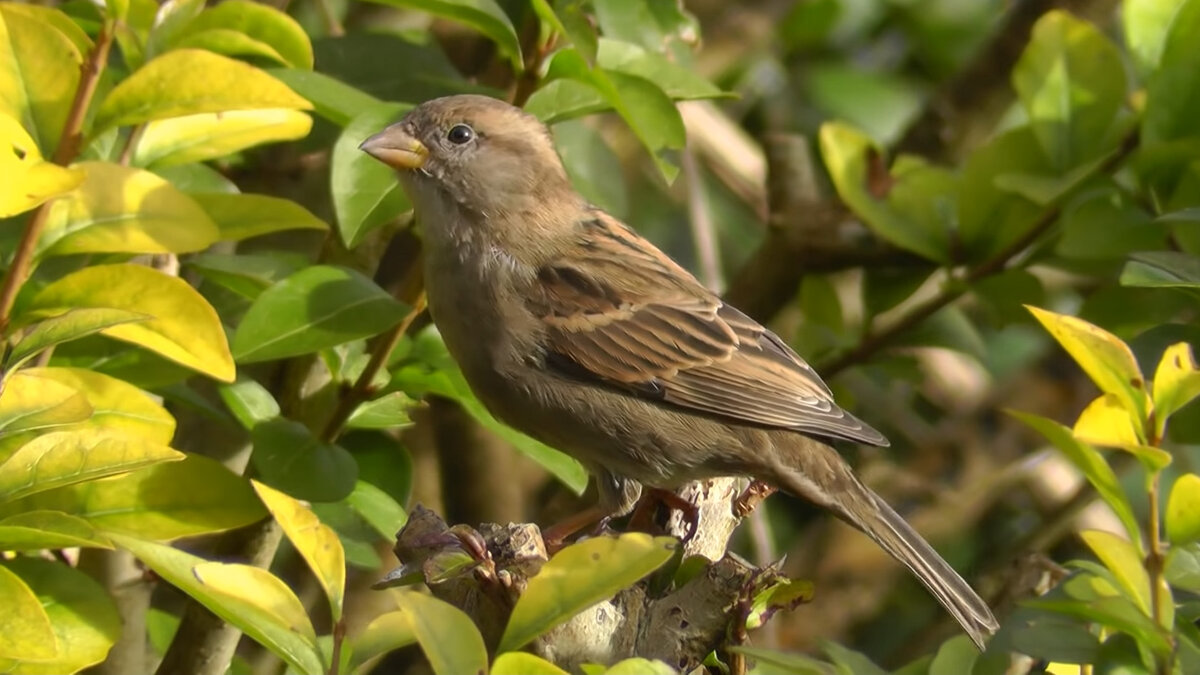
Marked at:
<point>751,497</point>
<point>556,535</point>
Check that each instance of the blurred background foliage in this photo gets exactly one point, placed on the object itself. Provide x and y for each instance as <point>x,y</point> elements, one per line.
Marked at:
<point>884,182</point>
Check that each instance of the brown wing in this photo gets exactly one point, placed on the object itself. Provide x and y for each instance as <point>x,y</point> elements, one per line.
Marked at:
<point>618,310</point>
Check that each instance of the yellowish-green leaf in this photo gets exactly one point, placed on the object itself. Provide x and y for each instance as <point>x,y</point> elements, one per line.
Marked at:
<point>578,577</point>
<point>1103,356</point>
<point>249,598</point>
<point>28,402</point>
<point>185,328</point>
<point>189,82</point>
<point>61,458</point>
<point>318,544</point>
<point>1089,461</point>
<point>81,612</point>
<point>37,530</point>
<point>240,216</point>
<point>116,404</point>
<point>196,138</point>
<point>27,631</point>
<point>524,663</point>
<point>239,27</point>
<point>1176,382</point>
<point>124,210</point>
<point>431,621</point>
<point>150,504</point>
<point>29,180</point>
<point>640,666</point>
<point>64,328</point>
<point>39,71</point>
<point>1183,510</point>
<point>385,633</point>
<point>1122,559</point>
<point>1106,422</point>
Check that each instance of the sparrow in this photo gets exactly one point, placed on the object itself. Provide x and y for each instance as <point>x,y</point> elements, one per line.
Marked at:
<point>575,330</point>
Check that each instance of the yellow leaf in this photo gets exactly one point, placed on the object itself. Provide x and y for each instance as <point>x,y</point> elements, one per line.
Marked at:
<point>1103,356</point>
<point>62,458</point>
<point>1183,510</point>
<point>124,210</point>
<point>1120,557</point>
<point>524,663</point>
<point>196,138</point>
<point>116,404</point>
<point>39,71</point>
<point>185,328</point>
<point>249,598</point>
<point>317,544</point>
<point>431,620</point>
<point>1176,382</point>
<point>27,631</point>
<point>385,633</point>
<point>192,81</point>
<point>1106,422</point>
<point>29,180</point>
<point>29,402</point>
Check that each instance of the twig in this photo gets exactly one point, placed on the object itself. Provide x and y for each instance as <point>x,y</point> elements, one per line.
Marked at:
<point>875,341</point>
<point>68,149</point>
<point>339,636</point>
<point>131,141</point>
<point>707,254</point>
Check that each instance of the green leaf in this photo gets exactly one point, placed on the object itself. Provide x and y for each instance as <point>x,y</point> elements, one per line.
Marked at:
<point>386,412</point>
<point>1170,269</point>
<point>124,210</point>
<point>149,503</point>
<point>1173,91</point>
<point>1176,382</point>
<point>1071,82</point>
<point>783,594</point>
<point>209,135</point>
<point>595,170</point>
<point>990,217</point>
<point>650,24</point>
<point>366,193</point>
<point>451,642</point>
<point>30,179</point>
<point>385,633</point>
<point>484,16</point>
<point>188,82</point>
<point>185,328</point>
<point>116,405</point>
<point>247,275</point>
<point>853,163</point>
<point>313,309</point>
<point>39,72</point>
<point>1105,225</point>
<point>84,619</point>
<point>243,28</point>
<point>1088,460</point>
<point>65,457</point>
<point>1103,356</point>
<point>578,577</point>
<point>315,542</point>
<point>56,330</point>
<point>1146,23</point>
<point>564,99</point>
<point>35,530</point>
<point>571,20</point>
<point>28,402</point>
<point>290,458</point>
<point>378,508</point>
<point>1124,561</point>
<point>850,660</point>
<point>676,81</point>
<point>956,656</point>
<point>524,663</point>
<point>249,401</point>
<point>1183,510</point>
<point>332,99</point>
<point>27,632</point>
<point>250,598</point>
<point>640,666</point>
<point>240,216</point>
<point>791,662</point>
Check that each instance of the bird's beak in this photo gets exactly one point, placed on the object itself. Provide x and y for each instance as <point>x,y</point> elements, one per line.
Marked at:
<point>397,149</point>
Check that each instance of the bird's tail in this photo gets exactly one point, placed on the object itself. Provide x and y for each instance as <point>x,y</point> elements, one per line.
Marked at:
<point>829,483</point>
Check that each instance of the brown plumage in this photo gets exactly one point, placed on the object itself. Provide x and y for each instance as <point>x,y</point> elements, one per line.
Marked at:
<point>571,327</point>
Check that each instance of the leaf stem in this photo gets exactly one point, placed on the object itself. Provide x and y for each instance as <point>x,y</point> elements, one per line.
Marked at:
<point>874,341</point>
<point>67,150</point>
<point>339,636</point>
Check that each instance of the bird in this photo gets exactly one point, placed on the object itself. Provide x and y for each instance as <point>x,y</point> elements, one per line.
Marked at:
<point>572,328</point>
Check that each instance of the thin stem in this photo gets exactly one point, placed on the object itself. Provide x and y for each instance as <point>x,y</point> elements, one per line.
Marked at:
<point>339,636</point>
<point>707,254</point>
<point>873,342</point>
<point>363,387</point>
<point>332,23</point>
<point>131,142</point>
<point>67,150</point>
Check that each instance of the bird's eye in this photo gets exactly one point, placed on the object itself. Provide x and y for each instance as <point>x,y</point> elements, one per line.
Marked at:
<point>460,133</point>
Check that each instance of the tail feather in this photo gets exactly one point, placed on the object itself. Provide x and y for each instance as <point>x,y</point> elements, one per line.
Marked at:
<point>831,485</point>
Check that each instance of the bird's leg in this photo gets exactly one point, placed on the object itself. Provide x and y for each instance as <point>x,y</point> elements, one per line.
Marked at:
<point>555,535</point>
<point>751,497</point>
<point>691,514</point>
